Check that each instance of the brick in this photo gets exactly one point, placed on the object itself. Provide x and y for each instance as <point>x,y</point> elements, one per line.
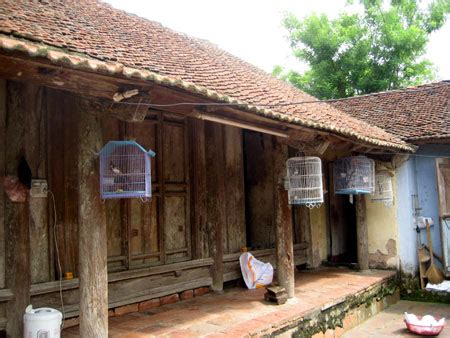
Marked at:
<point>201,291</point>
<point>188,294</point>
<point>329,333</point>
<point>149,304</point>
<point>169,299</point>
<point>123,310</point>
<point>338,331</point>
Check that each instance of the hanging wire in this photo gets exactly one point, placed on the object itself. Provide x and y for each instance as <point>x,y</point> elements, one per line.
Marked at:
<point>58,259</point>
<point>267,105</point>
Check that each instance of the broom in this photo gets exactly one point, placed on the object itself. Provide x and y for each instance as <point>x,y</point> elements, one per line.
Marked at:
<point>434,275</point>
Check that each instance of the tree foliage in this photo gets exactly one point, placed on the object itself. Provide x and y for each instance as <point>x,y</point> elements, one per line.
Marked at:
<point>379,49</point>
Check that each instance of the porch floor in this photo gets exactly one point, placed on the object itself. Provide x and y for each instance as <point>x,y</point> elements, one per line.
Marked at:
<point>240,312</point>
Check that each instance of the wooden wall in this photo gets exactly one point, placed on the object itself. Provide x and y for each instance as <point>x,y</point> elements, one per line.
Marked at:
<point>205,176</point>
<point>259,190</point>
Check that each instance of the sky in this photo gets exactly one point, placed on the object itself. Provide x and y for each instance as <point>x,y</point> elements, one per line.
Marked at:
<point>252,30</point>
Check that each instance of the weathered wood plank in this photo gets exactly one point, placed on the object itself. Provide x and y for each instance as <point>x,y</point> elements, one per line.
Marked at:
<point>36,154</point>
<point>92,233</point>
<point>259,190</point>
<point>50,287</point>
<point>143,217</point>
<point>283,220</point>
<point>177,236</point>
<point>18,278</point>
<point>215,184</point>
<point>200,233</point>
<point>55,155</point>
<point>111,132</point>
<point>302,229</point>
<point>362,233</point>
<point>69,105</point>
<point>235,199</point>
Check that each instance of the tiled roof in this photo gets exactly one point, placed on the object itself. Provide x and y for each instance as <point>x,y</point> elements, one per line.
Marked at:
<point>414,114</point>
<point>137,47</point>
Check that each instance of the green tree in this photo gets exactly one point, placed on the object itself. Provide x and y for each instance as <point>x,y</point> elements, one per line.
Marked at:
<point>379,49</point>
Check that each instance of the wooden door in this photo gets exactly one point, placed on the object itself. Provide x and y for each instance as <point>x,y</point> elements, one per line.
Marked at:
<point>159,229</point>
<point>342,217</point>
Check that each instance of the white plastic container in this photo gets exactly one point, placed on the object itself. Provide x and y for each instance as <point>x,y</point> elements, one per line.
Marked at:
<point>43,322</point>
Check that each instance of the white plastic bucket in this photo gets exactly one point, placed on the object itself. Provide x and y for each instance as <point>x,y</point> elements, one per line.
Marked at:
<point>43,322</point>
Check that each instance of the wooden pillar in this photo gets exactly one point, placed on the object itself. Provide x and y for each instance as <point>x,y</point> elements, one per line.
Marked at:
<point>283,221</point>
<point>215,184</point>
<point>198,167</point>
<point>92,243</point>
<point>36,155</point>
<point>16,217</point>
<point>362,233</point>
<point>2,173</point>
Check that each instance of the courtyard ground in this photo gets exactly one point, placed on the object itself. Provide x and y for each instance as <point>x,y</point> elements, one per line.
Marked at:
<point>389,323</point>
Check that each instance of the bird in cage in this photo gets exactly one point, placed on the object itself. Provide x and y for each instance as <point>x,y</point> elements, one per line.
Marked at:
<point>115,169</point>
<point>119,181</point>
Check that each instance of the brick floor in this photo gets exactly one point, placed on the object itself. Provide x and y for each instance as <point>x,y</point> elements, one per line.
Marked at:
<point>239,312</point>
<point>389,323</point>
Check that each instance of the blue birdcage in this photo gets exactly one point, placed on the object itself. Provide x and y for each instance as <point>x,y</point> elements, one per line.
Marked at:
<point>354,175</point>
<point>125,170</point>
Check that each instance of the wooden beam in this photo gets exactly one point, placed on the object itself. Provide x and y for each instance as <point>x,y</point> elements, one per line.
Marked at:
<point>283,220</point>
<point>18,278</point>
<point>127,113</point>
<point>92,233</point>
<point>362,233</point>
<point>215,185</point>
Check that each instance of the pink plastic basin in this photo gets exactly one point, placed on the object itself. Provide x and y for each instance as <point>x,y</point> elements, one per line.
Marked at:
<point>424,330</point>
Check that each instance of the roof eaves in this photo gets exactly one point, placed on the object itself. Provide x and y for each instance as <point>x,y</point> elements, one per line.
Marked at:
<point>83,62</point>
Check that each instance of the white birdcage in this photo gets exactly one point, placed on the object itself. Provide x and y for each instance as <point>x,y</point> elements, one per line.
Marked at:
<point>383,189</point>
<point>304,181</point>
<point>125,170</point>
<point>354,175</point>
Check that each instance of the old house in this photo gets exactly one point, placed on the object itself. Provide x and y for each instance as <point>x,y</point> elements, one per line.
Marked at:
<point>74,77</point>
<point>420,116</point>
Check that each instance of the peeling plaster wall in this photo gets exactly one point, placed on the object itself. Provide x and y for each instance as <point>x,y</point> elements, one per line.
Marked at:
<point>425,170</point>
<point>383,233</point>
<point>418,176</point>
<point>319,236</point>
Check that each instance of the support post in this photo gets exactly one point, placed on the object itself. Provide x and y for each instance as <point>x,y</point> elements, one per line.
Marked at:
<point>92,233</point>
<point>362,233</point>
<point>215,184</point>
<point>283,221</point>
<point>2,173</point>
<point>18,277</point>
<point>36,155</point>
<point>199,188</point>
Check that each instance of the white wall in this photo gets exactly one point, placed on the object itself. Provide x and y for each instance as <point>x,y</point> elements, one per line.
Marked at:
<point>406,187</point>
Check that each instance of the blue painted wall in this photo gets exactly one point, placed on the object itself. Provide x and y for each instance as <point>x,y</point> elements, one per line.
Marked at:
<point>427,187</point>
<point>418,176</point>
